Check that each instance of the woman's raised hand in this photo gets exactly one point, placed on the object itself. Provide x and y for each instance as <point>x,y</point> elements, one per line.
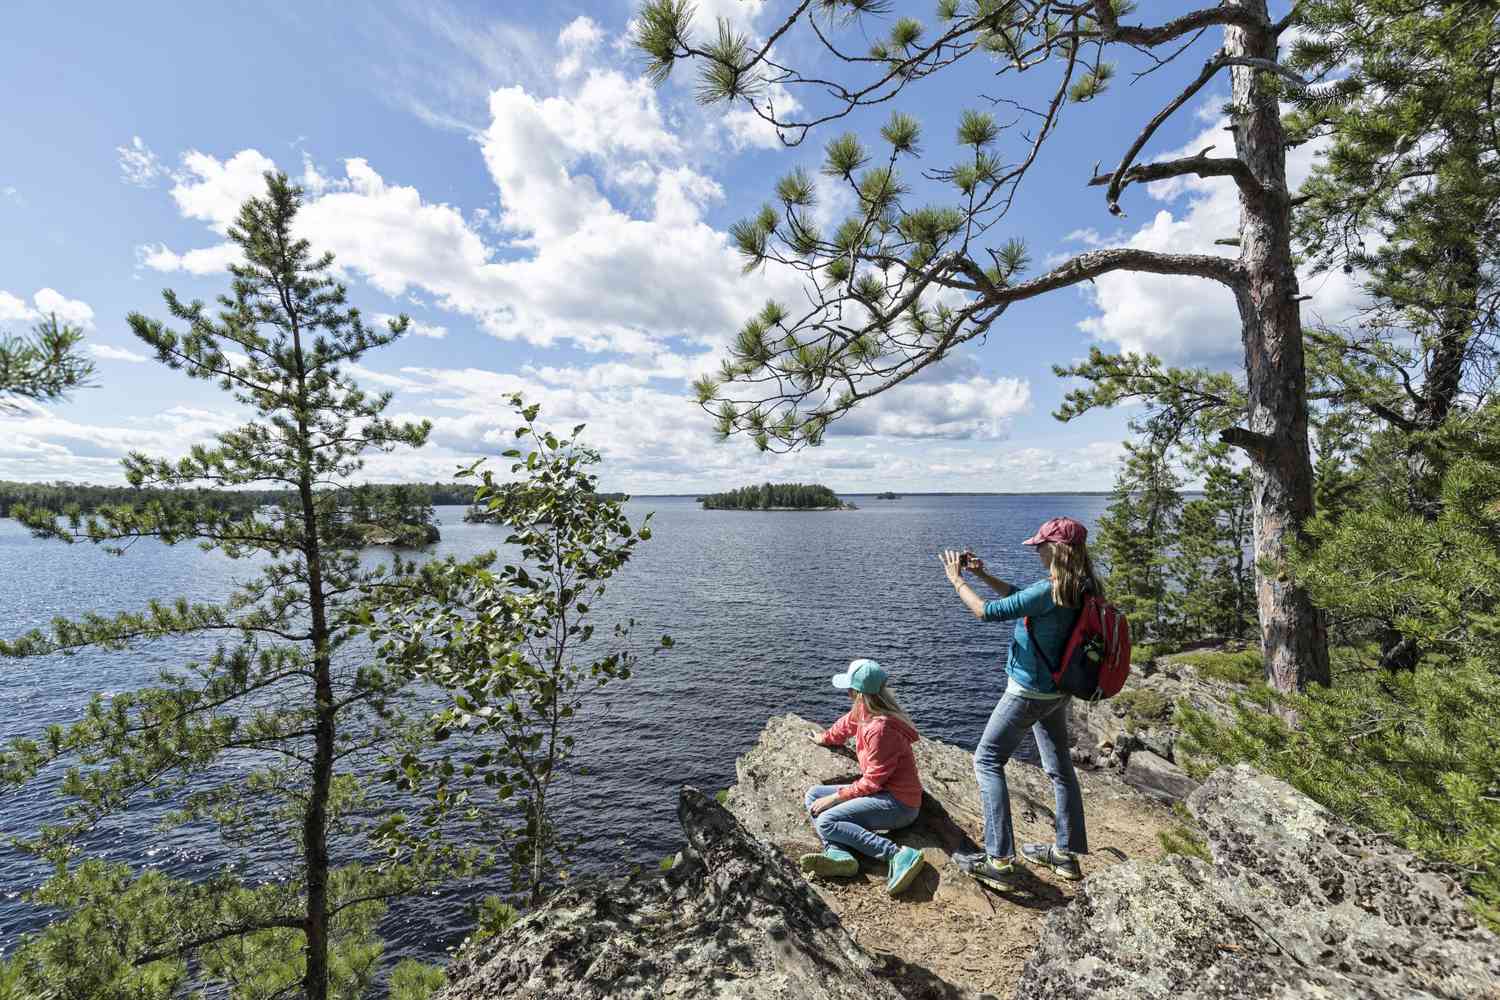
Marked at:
<point>952,565</point>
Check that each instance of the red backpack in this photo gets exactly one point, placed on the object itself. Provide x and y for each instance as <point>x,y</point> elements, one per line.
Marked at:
<point>1096,658</point>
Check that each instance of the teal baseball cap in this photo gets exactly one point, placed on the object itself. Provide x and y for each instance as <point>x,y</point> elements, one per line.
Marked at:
<point>865,676</point>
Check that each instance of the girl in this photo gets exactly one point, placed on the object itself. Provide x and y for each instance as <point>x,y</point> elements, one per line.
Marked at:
<point>1031,701</point>
<point>888,794</point>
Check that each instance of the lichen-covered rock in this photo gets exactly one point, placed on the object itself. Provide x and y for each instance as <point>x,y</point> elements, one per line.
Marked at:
<point>1295,905</point>
<point>733,920</point>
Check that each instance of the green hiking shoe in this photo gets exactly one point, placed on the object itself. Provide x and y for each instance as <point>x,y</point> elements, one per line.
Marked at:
<point>1002,874</point>
<point>1064,864</point>
<point>904,869</point>
<point>832,863</point>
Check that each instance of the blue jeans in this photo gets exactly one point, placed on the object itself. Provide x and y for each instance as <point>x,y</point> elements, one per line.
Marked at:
<point>852,822</point>
<point>1048,722</point>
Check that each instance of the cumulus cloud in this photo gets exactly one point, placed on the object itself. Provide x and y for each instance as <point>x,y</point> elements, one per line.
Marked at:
<point>1189,320</point>
<point>577,42</point>
<point>46,302</point>
<point>951,401</point>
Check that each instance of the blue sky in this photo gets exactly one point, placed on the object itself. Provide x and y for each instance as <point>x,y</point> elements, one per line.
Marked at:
<point>552,223</point>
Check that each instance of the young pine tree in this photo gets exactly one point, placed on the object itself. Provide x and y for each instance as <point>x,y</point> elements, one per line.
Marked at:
<point>1136,535</point>
<point>1213,572</point>
<point>256,741</point>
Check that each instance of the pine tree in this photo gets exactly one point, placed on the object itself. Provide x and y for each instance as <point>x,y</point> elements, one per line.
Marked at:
<point>1213,571</point>
<point>897,286</point>
<point>43,367</point>
<point>1136,537</point>
<point>257,740</point>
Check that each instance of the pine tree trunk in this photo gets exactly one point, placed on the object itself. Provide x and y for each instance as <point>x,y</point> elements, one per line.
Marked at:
<point>1293,635</point>
<point>315,817</point>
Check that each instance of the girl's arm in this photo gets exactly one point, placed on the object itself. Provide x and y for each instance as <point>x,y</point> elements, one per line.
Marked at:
<point>838,734</point>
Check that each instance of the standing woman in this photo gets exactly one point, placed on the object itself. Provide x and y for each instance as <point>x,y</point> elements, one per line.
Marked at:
<point>1031,701</point>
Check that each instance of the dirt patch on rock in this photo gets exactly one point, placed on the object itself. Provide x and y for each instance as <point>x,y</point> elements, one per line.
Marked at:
<point>947,936</point>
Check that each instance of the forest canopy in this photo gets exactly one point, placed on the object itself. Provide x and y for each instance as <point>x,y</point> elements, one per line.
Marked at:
<point>777,496</point>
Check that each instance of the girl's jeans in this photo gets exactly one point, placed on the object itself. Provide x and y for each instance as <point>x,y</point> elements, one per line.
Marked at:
<point>852,822</point>
<point>1048,722</point>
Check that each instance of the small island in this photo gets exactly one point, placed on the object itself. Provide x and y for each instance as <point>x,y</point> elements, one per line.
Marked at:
<point>887,496</point>
<point>777,496</point>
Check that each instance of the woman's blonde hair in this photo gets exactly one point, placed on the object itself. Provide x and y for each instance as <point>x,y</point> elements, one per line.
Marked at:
<point>1072,574</point>
<point>884,702</point>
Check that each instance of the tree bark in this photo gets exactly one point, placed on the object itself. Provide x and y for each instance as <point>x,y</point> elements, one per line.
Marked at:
<point>1293,634</point>
<point>315,817</point>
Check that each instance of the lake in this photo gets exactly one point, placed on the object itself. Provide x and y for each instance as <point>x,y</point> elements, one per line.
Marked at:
<point>763,608</point>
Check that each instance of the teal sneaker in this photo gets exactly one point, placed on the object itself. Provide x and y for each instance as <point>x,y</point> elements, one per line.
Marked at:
<point>832,863</point>
<point>1064,864</point>
<point>1002,874</point>
<point>904,868</point>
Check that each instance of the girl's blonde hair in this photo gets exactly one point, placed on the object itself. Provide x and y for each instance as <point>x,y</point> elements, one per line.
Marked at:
<point>1072,574</point>
<point>884,703</point>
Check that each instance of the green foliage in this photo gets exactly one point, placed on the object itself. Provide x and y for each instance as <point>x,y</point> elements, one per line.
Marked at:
<point>1414,752</point>
<point>515,648</point>
<point>768,496</point>
<point>252,740</point>
<point>1134,537</point>
<point>721,796</point>
<point>492,916</point>
<point>1184,837</point>
<point>43,367</point>
<point>1144,705</point>
<point>411,980</point>
<point>1245,668</point>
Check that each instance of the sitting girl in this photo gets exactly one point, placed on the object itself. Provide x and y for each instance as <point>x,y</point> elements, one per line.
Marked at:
<point>888,794</point>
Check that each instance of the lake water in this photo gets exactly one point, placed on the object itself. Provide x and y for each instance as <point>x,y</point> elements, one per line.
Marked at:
<point>763,608</point>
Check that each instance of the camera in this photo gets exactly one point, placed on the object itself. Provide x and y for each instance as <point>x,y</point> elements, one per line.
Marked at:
<point>966,559</point>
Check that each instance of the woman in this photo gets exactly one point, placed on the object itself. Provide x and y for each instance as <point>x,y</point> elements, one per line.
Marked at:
<point>1031,700</point>
<point>888,794</point>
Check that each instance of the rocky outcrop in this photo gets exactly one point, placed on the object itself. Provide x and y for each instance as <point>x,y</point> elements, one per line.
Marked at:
<point>1159,778</point>
<point>1108,734</point>
<point>733,919</point>
<point>946,928</point>
<point>1295,905</point>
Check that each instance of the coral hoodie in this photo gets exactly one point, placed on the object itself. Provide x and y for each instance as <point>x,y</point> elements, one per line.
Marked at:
<point>886,761</point>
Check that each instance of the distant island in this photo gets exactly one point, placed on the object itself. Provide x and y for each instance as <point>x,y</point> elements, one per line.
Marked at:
<point>887,496</point>
<point>777,496</point>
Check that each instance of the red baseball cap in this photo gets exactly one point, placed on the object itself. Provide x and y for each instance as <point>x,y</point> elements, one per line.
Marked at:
<point>1059,529</point>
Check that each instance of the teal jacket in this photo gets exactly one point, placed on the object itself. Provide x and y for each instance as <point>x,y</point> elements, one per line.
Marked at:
<point>1050,627</point>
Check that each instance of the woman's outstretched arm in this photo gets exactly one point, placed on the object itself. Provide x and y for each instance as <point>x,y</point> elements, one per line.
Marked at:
<point>951,565</point>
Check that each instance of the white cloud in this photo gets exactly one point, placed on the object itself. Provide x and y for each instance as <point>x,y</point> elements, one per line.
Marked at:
<point>212,190</point>
<point>12,193</point>
<point>46,302</point>
<point>109,353</point>
<point>577,41</point>
<point>206,260</point>
<point>1191,320</point>
<point>414,328</point>
<point>955,401</point>
<point>138,165</point>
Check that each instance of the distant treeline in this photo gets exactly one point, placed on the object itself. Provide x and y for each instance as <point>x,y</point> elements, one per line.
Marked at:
<point>795,496</point>
<point>86,497</point>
